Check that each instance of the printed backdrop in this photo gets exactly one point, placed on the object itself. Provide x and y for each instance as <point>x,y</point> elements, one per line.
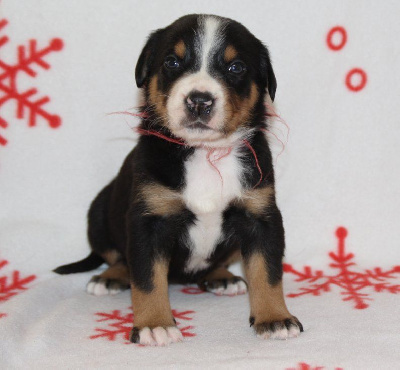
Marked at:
<point>66,64</point>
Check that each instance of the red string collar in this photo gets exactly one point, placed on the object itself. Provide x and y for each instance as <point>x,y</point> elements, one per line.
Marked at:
<point>212,161</point>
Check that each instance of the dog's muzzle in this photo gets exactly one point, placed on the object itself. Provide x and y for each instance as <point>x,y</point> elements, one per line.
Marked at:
<point>199,107</point>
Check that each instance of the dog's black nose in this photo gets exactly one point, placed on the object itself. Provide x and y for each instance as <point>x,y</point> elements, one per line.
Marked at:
<point>200,104</point>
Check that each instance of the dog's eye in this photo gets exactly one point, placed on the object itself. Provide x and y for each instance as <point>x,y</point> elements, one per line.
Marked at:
<point>171,62</point>
<point>237,68</point>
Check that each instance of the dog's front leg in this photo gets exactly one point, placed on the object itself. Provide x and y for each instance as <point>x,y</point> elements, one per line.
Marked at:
<point>148,260</point>
<point>262,255</point>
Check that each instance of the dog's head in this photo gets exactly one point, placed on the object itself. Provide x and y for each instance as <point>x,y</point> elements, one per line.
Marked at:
<point>205,78</point>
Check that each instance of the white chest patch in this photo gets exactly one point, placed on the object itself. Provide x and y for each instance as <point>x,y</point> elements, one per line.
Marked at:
<point>208,192</point>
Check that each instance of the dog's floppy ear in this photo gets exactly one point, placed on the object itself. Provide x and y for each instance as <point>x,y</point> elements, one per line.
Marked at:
<point>267,73</point>
<point>271,82</point>
<point>146,58</point>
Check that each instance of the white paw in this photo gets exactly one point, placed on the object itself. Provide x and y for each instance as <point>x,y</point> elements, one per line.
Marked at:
<point>278,334</point>
<point>96,288</point>
<point>293,332</point>
<point>289,328</point>
<point>146,337</point>
<point>160,336</point>
<point>231,289</point>
<point>99,286</point>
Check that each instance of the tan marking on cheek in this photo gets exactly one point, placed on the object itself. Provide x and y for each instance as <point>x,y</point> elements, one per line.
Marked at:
<point>230,53</point>
<point>257,201</point>
<point>266,301</point>
<point>161,201</point>
<point>111,256</point>
<point>237,110</point>
<point>153,309</point>
<point>157,98</point>
<point>180,49</point>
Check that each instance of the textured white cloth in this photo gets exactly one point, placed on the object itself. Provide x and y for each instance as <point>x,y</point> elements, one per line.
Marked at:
<point>339,168</point>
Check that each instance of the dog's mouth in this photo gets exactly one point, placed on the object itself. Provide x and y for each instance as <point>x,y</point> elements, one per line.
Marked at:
<point>198,125</point>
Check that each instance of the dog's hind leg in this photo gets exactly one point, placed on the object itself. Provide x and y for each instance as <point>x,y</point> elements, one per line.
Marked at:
<point>98,226</point>
<point>222,282</point>
<point>116,278</point>
<point>112,281</point>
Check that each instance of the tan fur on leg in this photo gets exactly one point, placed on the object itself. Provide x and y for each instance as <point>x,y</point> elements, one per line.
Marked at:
<point>266,301</point>
<point>118,271</point>
<point>111,281</point>
<point>153,309</point>
<point>219,273</point>
<point>111,256</point>
<point>269,315</point>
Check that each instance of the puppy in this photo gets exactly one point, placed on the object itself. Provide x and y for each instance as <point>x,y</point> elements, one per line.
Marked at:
<point>197,191</point>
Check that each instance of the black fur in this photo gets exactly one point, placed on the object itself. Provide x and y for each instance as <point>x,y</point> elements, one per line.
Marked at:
<point>92,261</point>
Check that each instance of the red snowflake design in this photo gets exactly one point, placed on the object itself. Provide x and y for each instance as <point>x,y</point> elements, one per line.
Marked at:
<point>120,324</point>
<point>27,58</point>
<point>304,366</point>
<point>192,290</point>
<point>352,283</point>
<point>12,285</point>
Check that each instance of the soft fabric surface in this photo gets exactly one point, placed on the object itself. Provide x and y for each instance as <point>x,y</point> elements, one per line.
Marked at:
<point>337,67</point>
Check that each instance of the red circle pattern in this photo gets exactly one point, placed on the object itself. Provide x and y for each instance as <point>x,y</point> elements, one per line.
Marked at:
<point>360,85</point>
<point>331,34</point>
<point>335,46</point>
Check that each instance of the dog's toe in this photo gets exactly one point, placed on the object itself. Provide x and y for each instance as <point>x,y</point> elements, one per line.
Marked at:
<point>146,337</point>
<point>96,286</point>
<point>102,286</point>
<point>158,336</point>
<point>161,337</point>
<point>175,334</point>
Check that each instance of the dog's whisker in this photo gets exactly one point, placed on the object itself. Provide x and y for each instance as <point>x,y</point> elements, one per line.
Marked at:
<point>270,112</point>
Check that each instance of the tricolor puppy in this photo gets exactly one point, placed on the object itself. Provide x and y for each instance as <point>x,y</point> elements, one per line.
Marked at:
<point>197,191</point>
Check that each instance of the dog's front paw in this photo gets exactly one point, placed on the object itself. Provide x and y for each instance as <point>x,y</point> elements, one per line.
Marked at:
<point>230,286</point>
<point>280,329</point>
<point>102,286</point>
<point>158,336</point>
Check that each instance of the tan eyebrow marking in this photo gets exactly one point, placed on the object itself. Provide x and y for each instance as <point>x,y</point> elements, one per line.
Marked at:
<point>230,53</point>
<point>180,49</point>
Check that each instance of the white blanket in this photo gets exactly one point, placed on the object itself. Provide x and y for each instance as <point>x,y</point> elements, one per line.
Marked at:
<point>337,67</point>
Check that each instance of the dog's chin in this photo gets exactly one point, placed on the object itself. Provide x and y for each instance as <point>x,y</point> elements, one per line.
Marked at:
<point>198,134</point>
